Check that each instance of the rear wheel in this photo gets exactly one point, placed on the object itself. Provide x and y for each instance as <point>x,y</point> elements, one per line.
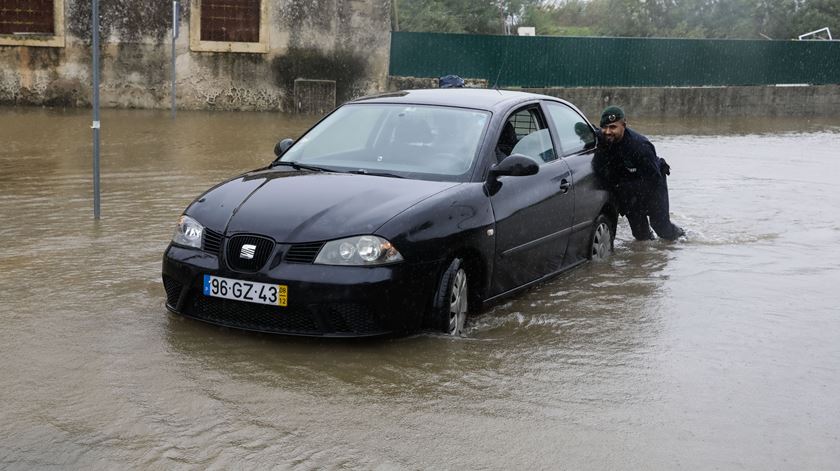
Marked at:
<point>451,303</point>
<point>601,242</point>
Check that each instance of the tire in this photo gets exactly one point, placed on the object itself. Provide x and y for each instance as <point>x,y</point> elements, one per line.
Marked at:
<point>601,242</point>
<point>451,300</point>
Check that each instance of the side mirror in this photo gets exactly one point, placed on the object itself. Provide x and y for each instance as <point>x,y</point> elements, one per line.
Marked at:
<point>282,146</point>
<point>517,165</point>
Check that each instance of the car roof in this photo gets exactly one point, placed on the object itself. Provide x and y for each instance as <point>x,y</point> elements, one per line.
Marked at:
<point>477,98</point>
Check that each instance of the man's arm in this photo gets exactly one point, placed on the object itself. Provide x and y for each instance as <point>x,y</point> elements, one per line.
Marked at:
<point>649,163</point>
<point>600,165</point>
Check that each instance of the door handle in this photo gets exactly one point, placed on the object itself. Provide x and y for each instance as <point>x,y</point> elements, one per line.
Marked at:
<point>564,186</point>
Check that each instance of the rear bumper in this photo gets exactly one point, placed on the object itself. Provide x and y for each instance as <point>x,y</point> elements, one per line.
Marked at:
<point>332,301</point>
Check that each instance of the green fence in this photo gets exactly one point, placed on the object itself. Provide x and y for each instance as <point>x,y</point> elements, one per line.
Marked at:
<point>542,61</point>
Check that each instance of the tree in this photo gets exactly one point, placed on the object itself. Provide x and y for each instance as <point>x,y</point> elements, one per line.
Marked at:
<point>427,16</point>
<point>460,16</point>
<point>566,18</point>
<point>816,14</point>
<point>746,19</point>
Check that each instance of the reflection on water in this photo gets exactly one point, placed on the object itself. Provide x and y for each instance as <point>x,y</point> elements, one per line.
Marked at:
<point>716,352</point>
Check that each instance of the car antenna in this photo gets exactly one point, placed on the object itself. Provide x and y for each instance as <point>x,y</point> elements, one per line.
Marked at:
<point>501,68</point>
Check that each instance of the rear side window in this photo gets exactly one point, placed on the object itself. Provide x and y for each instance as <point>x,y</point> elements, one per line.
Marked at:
<point>572,130</point>
<point>536,145</point>
<point>525,133</point>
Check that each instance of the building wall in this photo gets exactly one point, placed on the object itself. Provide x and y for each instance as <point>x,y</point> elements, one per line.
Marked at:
<point>342,40</point>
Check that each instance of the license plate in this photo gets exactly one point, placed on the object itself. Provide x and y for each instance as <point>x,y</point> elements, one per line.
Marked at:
<point>250,291</point>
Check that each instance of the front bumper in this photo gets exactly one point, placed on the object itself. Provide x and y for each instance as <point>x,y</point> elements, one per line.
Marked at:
<point>323,300</point>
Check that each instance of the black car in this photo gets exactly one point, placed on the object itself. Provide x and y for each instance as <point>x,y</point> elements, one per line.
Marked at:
<point>395,213</point>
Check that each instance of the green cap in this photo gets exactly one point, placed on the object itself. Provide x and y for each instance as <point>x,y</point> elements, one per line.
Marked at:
<point>611,114</point>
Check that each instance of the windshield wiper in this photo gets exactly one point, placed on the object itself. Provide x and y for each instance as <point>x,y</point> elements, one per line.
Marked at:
<point>362,171</point>
<point>298,166</point>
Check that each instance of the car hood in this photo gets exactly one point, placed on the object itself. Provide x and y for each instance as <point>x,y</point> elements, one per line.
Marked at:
<point>292,206</point>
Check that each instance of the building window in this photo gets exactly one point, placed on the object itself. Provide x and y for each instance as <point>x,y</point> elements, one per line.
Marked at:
<point>229,26</point>
<point>32,23</point>
<point>230,20</point>
<point>26,17</point>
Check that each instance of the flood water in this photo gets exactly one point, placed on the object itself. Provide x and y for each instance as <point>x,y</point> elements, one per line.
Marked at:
<point>718,352</point>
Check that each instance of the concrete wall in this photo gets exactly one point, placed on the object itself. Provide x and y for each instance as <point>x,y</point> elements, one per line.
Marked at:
<point>342,40</point>
<point>755,101</point>
<point>742,102</point>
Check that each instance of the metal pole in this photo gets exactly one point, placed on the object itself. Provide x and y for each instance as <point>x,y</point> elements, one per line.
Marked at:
<point>95,125</point>
<point>175,24</point>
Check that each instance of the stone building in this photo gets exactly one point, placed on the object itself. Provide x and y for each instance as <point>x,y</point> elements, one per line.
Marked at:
<point>230,54</point>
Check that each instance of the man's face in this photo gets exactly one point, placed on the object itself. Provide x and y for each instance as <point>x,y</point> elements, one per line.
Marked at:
<point>614,132</point>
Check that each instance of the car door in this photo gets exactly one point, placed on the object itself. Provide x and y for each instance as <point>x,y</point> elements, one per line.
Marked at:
<point>576,139</point>
<point>533,213</point>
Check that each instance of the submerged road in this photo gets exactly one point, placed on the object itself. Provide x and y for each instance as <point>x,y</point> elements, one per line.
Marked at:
<point>718,352</point>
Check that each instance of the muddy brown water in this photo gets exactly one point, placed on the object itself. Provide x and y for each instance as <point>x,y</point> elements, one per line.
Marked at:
<point>719,352</point>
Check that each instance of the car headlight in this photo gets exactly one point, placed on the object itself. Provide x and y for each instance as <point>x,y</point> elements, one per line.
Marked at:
<point>188,232</point>
<point>359,250</point>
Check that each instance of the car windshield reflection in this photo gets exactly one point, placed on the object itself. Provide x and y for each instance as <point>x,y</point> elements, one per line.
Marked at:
<point>424,142</point>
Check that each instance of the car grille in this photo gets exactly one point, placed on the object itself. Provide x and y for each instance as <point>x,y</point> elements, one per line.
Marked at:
<point>173,290</point>
<point>337,319</point>
<point>251,316</point>
<point>297,253</point>
<point>303,253</point>
<point>264,247</point>
<point>350,318</point>
<point>212,241</point>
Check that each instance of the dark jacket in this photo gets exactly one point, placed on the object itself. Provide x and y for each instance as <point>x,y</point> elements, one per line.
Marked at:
<point>630,168</point>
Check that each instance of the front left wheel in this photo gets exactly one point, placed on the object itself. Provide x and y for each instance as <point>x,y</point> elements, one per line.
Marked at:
<point>602,240</point>
<point>451,304</point>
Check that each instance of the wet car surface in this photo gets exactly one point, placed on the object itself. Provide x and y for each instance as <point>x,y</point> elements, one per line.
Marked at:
<point>395,213</point>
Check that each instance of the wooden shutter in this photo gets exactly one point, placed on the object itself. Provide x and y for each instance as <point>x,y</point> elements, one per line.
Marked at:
<point>230,20</point>
<point>27,16</point>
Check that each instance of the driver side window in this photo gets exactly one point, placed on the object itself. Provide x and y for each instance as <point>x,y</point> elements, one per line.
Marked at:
<point>525,132</point>
<point>573,132</point>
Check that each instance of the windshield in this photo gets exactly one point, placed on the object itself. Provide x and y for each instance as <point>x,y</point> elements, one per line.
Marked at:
<point>426,142</point>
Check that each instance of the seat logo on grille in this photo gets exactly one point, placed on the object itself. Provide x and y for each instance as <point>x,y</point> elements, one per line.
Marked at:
<point>247,251</point>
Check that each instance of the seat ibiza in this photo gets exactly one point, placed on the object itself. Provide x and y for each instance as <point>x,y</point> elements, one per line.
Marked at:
<point>394,213</point>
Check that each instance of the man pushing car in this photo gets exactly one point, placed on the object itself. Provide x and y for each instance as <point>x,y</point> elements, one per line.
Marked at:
<point>627,162</point>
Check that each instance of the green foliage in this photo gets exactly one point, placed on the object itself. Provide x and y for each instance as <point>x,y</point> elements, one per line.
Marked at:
<point>459,16</point>
<point>560,19</point>
<point>427,16</point>
<point>818,14</point>
<point>748,19</point>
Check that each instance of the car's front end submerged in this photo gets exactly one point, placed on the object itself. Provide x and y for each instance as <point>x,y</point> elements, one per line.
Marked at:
<point>294,248</point>
<point>212,283</point>
<point>295,252</point>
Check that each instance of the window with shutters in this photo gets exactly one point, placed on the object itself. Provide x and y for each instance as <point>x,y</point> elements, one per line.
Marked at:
<point>32,23</point>
<point>229,26</point>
